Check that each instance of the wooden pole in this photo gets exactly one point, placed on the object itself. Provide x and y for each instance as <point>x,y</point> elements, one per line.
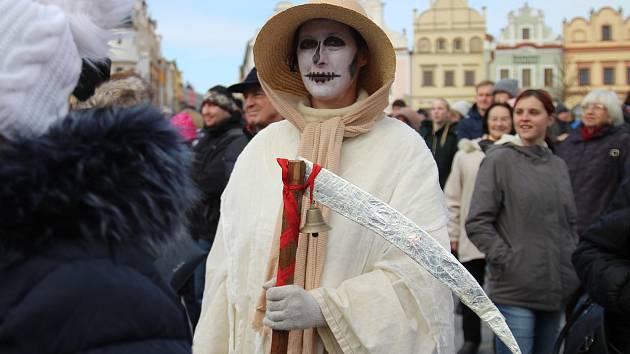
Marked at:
<point>286,260</point>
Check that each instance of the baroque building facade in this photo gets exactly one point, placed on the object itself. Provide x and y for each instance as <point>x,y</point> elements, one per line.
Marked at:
<point>528,50</point>
<point>596,54</point>
<point>449,53</point>
<point>138,51</point>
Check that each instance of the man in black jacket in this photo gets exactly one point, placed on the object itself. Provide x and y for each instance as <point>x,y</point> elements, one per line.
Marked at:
<point>222,125</point>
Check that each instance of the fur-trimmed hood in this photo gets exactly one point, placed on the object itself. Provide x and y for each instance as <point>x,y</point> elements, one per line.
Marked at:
<point>110,175</point>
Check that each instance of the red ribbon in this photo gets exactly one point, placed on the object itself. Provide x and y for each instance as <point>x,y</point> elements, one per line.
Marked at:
<point>291,215</point>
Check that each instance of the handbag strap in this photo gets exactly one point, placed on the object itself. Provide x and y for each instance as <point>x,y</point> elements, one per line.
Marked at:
<point>570,321</point>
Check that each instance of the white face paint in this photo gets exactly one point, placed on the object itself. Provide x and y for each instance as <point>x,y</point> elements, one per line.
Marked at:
<point>326,51</point>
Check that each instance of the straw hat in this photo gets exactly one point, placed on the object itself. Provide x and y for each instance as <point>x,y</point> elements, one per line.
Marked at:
<point>275,39</point>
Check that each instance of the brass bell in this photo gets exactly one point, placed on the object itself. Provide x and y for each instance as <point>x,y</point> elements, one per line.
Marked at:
<point>314,223</point>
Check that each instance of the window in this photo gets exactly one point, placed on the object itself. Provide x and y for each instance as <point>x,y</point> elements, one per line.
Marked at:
<point>427,78</point>
<point>609,76</point>
<point>548,77</point>
<point>584,77</point>
<point>469,78</point>
<point>441,44</point>
<point>525,33</point>
<point>504,74</point>
<point>458,44</point>
<point>449,78</point>
<point>606,33</point>
<point>527,77</point>
<point>628,75</point>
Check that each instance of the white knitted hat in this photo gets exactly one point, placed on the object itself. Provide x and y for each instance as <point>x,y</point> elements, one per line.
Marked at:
<point>41,45</point>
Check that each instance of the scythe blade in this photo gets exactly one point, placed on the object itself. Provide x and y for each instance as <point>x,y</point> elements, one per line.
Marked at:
<point>368,211</point>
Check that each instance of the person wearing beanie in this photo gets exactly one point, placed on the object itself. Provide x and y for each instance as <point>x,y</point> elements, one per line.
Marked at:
<point>185,124</point>
<point>459,110</point>
<point>563,124</point>
<point>328,70</point>
<point>505,90</point>
<point>89,199</point>
<point>222,125</point>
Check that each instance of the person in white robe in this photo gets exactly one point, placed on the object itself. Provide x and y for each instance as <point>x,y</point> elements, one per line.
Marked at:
<point>328,70</point>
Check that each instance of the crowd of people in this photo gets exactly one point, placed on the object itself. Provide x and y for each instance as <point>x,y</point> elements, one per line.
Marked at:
<point>99,190</point>
<point>523,182</point>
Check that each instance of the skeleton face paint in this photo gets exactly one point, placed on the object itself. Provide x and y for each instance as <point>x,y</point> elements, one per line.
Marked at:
<point>326,56</point>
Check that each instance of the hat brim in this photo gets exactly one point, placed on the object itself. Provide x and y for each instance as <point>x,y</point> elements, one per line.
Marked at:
<point>242,87</point>
<point>274,43</point>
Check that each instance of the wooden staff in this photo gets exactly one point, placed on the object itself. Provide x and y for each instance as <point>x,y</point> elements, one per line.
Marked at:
<point>293,178</point>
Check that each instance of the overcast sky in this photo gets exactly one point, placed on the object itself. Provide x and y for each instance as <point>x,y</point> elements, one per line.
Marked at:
<point>208,37</point>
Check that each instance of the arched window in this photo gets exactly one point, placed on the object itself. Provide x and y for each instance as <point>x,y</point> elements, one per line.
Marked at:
<point>476,45</point>
<point>606,33</point>
<point>440,45</point>
<point>458,45</point>
<point>424,45</point>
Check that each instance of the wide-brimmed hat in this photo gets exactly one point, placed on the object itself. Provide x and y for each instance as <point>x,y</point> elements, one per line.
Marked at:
<point>274,44</point>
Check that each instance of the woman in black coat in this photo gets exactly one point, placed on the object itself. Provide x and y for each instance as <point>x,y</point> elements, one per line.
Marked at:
<point>85,210</point>
<point>602,261</point>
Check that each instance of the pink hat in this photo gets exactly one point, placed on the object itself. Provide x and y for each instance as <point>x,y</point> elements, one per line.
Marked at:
<point>185,125</point>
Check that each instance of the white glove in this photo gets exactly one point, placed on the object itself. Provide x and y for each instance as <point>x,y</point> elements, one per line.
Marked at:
<point>291,307</point>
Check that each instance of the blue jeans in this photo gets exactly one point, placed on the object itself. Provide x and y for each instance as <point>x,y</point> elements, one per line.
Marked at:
<point>200,273</point>
<point>535,331</point>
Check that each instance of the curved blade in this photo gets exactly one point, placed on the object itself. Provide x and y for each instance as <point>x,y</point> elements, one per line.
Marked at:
<point>361,207</point>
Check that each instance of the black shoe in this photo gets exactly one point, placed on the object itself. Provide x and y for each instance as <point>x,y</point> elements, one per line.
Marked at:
<point>469,348</point>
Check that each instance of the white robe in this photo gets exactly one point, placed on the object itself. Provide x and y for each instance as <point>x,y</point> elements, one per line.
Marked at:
<point>374,298</point>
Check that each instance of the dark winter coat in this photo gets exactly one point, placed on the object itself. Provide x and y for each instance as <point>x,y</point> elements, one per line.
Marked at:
<point>522,216</point>
<point>84,212</point>
<point>597,167</point>
<point>602,262</point>
<point>471,127</point>
<point>443,146</point>
<point>211,174</point>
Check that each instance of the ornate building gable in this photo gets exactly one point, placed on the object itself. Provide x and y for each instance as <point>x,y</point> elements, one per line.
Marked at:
<point>527,25</point>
